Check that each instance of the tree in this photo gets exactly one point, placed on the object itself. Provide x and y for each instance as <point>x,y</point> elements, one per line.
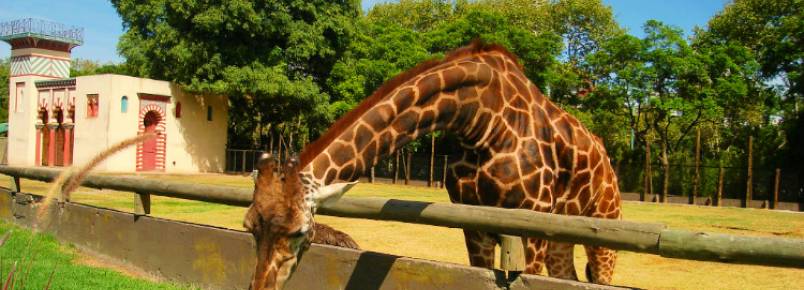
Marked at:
<point>271,58</point>
<point>5,68</point>
<point>416,15</point>
<point>83,67</point>
<point>773,30</point>
<point>536,53</point>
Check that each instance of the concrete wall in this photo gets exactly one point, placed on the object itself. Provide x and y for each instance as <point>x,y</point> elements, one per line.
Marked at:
<point>216,258</point>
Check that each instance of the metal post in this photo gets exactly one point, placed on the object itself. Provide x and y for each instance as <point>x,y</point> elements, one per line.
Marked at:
<point>444,176</point>
<point>719,198</point>
<point>243,162</point>
<point>696,183</point>
<point>408,159</point>
<point>749,184</point>
<point>396,166</point>
<point>776,182</point>
<point>432,160</point>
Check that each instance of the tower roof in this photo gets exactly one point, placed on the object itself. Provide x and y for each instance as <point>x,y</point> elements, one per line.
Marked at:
<point>32,28</point>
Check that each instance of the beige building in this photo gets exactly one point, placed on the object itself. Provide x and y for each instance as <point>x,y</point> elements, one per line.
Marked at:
<point>55,120</point>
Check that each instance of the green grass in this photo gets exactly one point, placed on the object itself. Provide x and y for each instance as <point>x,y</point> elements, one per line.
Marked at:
<point>444,244</point>
<point>39,255</point>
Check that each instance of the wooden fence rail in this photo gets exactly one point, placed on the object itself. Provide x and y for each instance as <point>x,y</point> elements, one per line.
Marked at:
<point>616,234</point>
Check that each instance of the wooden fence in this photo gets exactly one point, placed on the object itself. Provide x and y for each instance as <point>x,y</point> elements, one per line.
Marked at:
<point>617,234</point>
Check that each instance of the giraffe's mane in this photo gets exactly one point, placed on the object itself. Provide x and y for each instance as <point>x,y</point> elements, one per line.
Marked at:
<point>474,48</point>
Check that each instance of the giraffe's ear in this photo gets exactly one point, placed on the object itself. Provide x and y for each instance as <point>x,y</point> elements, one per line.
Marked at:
<point>331,193</point>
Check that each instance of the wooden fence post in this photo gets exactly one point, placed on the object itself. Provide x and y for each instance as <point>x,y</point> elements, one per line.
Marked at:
<point>776,182</point>
<point>17,185</point>
<point>432,159</point>
<point>719,197</point>
<point>444,176</point>
<point>749,185</point>
<point>512,253</point>
<point>696,182</point>
<point>142,203</point>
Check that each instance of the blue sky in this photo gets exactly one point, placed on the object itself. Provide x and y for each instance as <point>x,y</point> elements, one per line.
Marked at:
<point>102,25</point>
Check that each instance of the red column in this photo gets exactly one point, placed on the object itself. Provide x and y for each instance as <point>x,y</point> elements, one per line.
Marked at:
<point>51,144</point>
<point>38,159</point>
<point>68,128</point>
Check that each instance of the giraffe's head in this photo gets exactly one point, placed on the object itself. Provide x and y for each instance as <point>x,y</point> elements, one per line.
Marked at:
<point>280,222</point>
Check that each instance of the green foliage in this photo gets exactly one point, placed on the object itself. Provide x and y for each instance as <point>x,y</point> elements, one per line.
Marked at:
<point>5,68</point>
<point>271,58</point>
<point>291,67</point>
<point>772,29</point>
<point>83,67</point>
<point>37,255</point>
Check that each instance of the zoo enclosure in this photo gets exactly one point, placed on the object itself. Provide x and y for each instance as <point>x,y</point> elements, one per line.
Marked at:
<point>616,234</point>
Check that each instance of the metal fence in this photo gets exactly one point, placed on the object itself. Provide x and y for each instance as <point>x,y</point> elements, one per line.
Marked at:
<point>408,167</point>
<point>46,28</point>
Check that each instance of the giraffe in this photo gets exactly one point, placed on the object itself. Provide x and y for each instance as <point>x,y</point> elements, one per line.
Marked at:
<point>276,219</point>
<point>519,151</point>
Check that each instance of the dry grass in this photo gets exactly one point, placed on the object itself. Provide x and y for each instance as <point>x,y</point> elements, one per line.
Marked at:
<point>435,243</point>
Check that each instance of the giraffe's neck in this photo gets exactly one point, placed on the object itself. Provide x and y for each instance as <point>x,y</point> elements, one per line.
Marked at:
<point>466,96</point>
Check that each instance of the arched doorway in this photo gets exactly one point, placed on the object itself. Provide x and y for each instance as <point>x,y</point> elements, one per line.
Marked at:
<point>149,147</point>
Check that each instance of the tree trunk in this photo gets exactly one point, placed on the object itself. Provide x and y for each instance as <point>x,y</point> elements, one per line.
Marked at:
<point>666,177</point>
<point>271,142</point>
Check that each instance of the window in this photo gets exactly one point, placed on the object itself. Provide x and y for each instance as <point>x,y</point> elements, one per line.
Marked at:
<point>209,113</point>
<point>92,105</point>
<point>178,110</point>
<point>123,104</point>
<point>19,97</point>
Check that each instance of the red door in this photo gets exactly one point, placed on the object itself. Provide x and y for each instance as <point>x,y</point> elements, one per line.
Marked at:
<point>149,146</point>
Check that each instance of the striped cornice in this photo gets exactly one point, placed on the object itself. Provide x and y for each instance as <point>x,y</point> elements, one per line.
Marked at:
<point>55,83</point>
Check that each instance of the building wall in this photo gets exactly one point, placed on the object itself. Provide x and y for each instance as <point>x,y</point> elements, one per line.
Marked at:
<point>193,144</point>
<point>22,119</point>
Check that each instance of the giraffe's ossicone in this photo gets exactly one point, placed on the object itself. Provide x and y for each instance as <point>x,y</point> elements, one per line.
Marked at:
<point>519,150</point>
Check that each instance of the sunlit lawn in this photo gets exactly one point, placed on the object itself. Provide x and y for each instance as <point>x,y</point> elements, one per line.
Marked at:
<point>443,244</point>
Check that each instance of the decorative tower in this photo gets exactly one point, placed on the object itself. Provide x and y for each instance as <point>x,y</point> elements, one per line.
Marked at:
<point>39,93</point>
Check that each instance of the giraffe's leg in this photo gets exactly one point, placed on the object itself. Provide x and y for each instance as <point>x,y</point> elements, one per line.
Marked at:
<point>535,251</point>
<point>600,267</point>
<point>560,260</point>
<point>480,246</point>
